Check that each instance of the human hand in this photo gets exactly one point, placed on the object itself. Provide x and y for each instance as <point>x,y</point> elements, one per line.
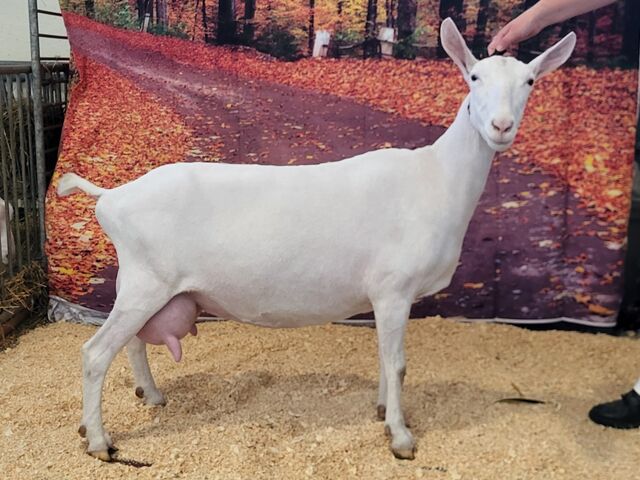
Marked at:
<point>521,28</point>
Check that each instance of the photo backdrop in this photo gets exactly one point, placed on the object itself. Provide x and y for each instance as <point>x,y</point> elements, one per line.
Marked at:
<point>547,239</point>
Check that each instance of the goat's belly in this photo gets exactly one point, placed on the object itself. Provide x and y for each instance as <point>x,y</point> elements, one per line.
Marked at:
<point>288,312</point>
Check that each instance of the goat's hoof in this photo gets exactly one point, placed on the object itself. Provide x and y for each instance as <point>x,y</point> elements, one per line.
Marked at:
<point>381,411</point>
<point>101,455</point>
<point>404,453</point>
<point>139,392</point>
<point>82,431</point>
<point>402,444</point>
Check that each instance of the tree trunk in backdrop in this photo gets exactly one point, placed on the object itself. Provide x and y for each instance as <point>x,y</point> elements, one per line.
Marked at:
<point>527,49</point>
<point>141,8</point>
<point>249,28</point>
<point>312,21</point>
<point>631,33</point>
<point>205,29</point>
<point>453,9</point>
<point>480,40</point>
<point>90,8</point>
<point>372,18</point>
<point>370,45</point>
<point>148,10</point>
<point>340,7</point>
<point>390,9</point>
<point>226,22</point>
<point>407,11</point>
<point>161,13</point>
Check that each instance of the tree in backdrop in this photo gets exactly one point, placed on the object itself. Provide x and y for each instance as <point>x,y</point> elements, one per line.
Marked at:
<point>312,22</point>
<point>631,30</point>
<point>407,13</point>
<point>248,26</point>
<point>162,17</point>
<point>479,43</point>
<point>453,9</point>
<point>90,8</point>
<point>226,22</point>
<point>370,44</point>
<point>390,10</point>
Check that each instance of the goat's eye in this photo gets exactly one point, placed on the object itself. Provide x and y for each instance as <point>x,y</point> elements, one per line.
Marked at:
<point>474,78</point>
<point>530,82</point>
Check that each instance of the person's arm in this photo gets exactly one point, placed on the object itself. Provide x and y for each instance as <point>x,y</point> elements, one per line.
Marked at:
<point>541,15</point>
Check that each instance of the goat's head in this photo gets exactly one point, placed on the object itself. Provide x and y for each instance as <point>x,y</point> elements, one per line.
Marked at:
<point>500,86</point>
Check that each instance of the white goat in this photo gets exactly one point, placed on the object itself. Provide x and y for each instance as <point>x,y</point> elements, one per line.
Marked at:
<point>304,245</point>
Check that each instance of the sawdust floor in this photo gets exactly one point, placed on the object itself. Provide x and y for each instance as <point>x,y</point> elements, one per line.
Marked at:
<point>252,403</point>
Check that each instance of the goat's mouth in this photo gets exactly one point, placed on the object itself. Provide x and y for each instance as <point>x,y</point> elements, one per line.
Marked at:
<point>499,145</point>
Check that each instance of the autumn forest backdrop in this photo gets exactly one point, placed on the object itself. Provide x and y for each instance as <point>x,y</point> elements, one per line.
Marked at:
<point>548,237</point>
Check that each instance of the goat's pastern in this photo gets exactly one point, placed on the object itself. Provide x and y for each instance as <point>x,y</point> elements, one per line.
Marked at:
<point>402,444</point>
<point>155,399</point>
<point>381,412</point>
<point>82,431</point>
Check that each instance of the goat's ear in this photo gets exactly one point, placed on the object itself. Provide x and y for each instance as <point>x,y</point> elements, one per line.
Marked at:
<point>554,56</point>
<point>456,48</point>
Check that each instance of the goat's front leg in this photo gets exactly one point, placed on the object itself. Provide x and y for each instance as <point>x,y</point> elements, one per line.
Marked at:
<point>145,385</point>
<point>391,323</point>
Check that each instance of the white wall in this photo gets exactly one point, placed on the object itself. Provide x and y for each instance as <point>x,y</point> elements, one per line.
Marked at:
<point>14,31</point>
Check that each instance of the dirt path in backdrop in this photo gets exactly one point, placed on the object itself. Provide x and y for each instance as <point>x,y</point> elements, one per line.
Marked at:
<point>252,121</point>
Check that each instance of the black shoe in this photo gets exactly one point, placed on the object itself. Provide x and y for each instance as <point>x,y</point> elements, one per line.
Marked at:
<point>623,413</point>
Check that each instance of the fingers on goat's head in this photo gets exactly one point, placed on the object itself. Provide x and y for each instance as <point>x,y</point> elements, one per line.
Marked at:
<point>500,86</point>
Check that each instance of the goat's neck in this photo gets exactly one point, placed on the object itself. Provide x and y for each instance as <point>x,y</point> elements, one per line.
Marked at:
<point>465,158</point>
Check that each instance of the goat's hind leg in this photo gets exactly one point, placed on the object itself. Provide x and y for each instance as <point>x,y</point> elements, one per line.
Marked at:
<point>137,301</point>
<point>145,385</point>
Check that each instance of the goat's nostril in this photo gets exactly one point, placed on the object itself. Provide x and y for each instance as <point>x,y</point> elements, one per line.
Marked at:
<point>502,126</point>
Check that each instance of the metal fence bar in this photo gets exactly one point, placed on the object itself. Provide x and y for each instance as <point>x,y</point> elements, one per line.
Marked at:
<point>37,114</point>
<point>14,179</point>
<point>10,195</point>
<point>32,207</point>
<point>4,161</point>
<point>4,153</point>
<point>23,169</point>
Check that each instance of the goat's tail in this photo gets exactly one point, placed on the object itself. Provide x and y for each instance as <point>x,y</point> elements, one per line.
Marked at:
<point>71,183</point>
